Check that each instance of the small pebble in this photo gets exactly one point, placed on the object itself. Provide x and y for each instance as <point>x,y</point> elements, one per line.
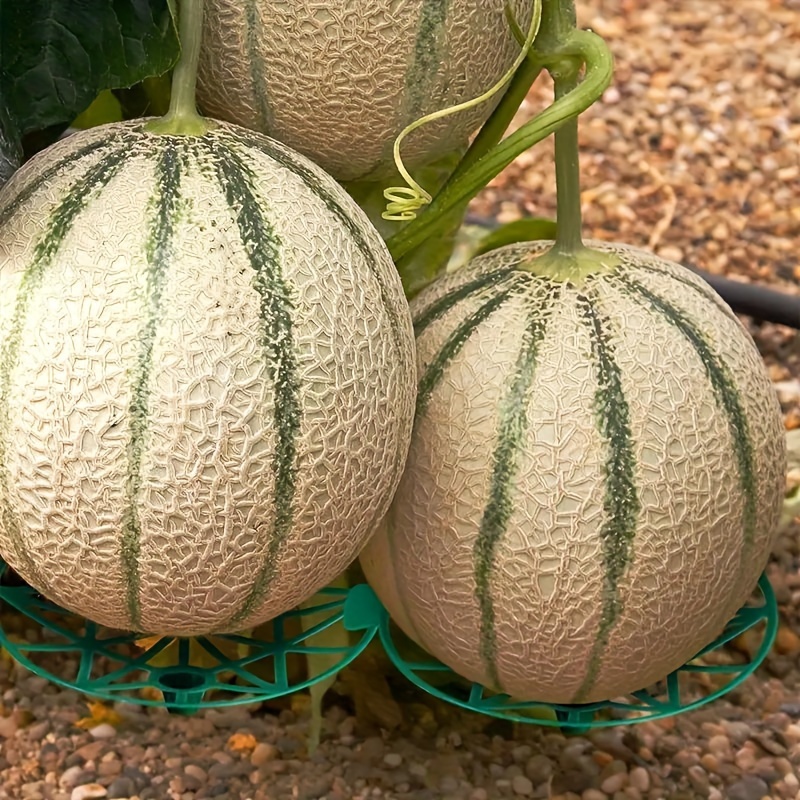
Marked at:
<point>614,783</point>
<point>88,791</point>
<point>38,731</point>
<point>522,785</point>
<point>594,794</point>
<point>193,778</point>
<point>264,753</point>
<point>639,778</point>
<point>792,733</point>
<point>521,752</point>
<point>71,777</point>
<point>710,762</point>
<point>8,726</point>
<point>749,788</point>
<point>739,732</point>
<point>121,787</point>
<point>745,759</point>
<point>539,768</point>
<point>32,791</point>
<point>90,751</point>
<point>103,731</point>
<point>107,768</point>
<point>393,760</point>
<point>698,777</point>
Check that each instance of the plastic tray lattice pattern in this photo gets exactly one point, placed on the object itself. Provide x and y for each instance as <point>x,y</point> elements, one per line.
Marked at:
<point>189,674</point>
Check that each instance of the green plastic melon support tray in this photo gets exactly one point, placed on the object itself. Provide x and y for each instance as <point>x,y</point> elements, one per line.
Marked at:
<point>200,673</point>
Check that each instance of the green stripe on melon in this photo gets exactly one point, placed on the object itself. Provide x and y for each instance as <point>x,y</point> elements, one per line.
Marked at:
<point>421,76</point>
<point>20,191</point>
<point>277,340</point>
<point>455,341</point>
<point>341,207</point>
<point>57,225</point>
<point>206,378</point>
<point>253,34</point>
<point>512,425</point>
<point>585,506</point>
<point>160,253</point>
<point>728,397</point>
<point>338,81</point>
<point>620,501</point>
<point>436,310</point>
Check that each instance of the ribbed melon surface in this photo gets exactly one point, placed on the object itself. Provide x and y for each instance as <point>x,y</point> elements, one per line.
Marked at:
<point>594,481</point>
<point>339,79</point>
<point>206,378</point>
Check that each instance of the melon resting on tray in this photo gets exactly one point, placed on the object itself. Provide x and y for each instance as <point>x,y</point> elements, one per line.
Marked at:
<point>595,476</point>
<point>206,378</point>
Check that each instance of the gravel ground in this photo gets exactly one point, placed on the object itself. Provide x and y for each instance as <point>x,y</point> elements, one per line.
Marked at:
<point>695,153</point>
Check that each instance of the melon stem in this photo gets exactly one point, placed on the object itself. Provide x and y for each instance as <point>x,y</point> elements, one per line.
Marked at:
<point>568,259</point>
<point>182,118</point>
<point>501,118</point>
<point>568,183</point>
<point>559,22</point>
<point>558,25</point>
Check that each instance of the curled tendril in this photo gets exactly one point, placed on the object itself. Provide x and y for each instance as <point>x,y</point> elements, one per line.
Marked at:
<point>404,201</point>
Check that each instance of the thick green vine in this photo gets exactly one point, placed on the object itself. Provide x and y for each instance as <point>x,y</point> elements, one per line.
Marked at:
<point>564,51</point>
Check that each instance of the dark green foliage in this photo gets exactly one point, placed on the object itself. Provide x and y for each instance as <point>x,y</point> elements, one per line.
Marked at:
<point>57,55</point>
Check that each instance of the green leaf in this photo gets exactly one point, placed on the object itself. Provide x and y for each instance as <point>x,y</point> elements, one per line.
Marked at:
<point>10,146</point>
<point>56,56</point>
<point>531,229</point>
<point>105,108</point>
<point>150,98</point>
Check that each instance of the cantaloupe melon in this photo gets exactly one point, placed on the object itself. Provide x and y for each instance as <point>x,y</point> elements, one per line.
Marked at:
<point>206,378</point>
<point>339,79</point>
<point>595,476</point>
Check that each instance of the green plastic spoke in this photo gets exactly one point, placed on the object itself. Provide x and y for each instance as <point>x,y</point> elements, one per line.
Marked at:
<point>428,666</point>
<point>362,609</point>
<point>184,686</point>
<point>718,669</point>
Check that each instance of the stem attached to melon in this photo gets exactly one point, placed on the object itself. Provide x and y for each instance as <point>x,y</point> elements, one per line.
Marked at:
<point>582,46</point>
<point>182,118</point>
<point>568,259</point>
<point>559,23</point>
<point>568,182</point>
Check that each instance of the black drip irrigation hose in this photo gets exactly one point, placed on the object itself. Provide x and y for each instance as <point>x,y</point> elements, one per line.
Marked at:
<point>750,299</point>
<point>758,302</point>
